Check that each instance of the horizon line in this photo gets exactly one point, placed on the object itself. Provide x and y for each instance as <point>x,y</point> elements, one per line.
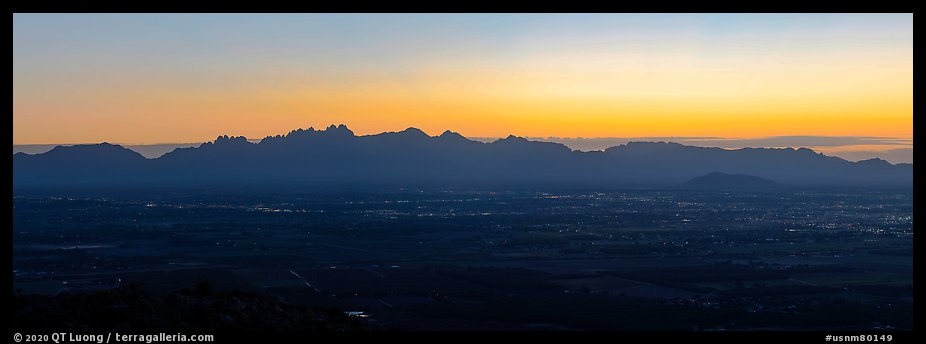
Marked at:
<point>895,140</point>
<point>692,141</point>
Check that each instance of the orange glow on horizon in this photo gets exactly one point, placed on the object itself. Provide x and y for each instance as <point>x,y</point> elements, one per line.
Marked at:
<point>684,83</point>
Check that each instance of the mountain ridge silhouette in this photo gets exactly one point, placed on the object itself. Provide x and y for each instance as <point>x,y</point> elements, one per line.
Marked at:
<point>410,157</point>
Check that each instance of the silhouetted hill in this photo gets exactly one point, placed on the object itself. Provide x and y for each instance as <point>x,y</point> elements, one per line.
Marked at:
<point>102,163</point>
<point>307,158</point>
<point>738,182</point>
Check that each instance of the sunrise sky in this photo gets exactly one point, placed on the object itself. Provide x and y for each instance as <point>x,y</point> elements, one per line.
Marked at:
<point>165,78</point>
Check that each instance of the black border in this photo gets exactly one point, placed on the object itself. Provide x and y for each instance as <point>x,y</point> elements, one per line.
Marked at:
<point>274,6</point>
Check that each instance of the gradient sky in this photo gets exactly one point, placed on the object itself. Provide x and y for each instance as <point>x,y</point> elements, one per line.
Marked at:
<point>158,78</point>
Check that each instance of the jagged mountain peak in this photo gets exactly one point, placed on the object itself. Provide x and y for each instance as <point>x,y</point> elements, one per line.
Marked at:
<point>340,128</point>
<point>512,139</point>
<point>336,155</point>
<point>230,140</point>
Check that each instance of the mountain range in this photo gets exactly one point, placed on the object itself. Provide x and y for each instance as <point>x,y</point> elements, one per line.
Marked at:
<point>307,158</point>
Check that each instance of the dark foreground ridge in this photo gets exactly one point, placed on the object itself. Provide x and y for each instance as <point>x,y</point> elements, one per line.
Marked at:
<point>335,156</point>
<point>132,309</point>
